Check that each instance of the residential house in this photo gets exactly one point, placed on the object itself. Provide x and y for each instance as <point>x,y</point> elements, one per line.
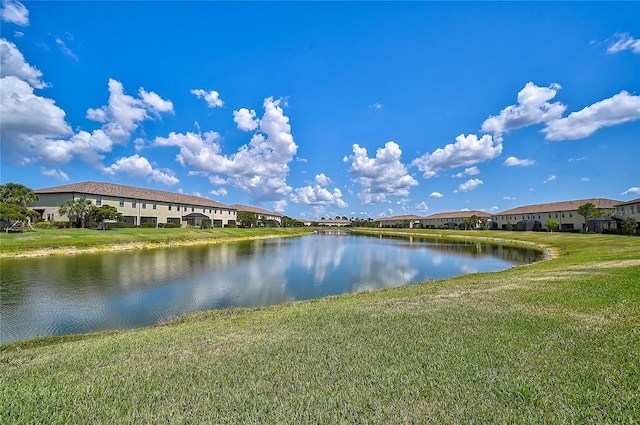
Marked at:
<point>565,213</point>
<point>265,218</point>
<point>400,221</point>
<point>452,219</point>
<point>137,205</point>
<point>628,209</point>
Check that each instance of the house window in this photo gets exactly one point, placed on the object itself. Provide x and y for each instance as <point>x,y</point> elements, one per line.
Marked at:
<point>571,214</point>
<point>133,204</point>
<point>144,204</point>
<point>169,208</point>
<point>98,201</point>
<point>562,215</point>
<point>121,202</point>
<point>155,205</point>
<point>83,197</point>
<point>193,209</point>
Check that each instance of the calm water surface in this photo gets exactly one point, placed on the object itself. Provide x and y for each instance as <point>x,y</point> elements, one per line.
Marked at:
<point>82,293</point>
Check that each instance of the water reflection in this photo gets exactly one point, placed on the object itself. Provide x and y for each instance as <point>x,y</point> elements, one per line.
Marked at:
<point>69,294</point>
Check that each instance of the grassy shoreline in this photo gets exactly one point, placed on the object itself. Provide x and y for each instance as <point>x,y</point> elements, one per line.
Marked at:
<point>554,342</point>
<point>46,242</point>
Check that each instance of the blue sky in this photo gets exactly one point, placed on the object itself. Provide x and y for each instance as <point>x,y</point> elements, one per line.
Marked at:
<point>318,109</point>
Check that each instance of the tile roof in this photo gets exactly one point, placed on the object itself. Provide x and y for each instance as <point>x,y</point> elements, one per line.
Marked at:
<point>458,214</point>
<point>600,203</point>
<point>256,210</point>
<point>122,191</point>
<point>633,201</point>
<point>401,217</point>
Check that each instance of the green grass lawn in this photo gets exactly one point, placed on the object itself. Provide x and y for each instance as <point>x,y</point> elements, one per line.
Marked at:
<point>43,240</point>
<point>555,342</point>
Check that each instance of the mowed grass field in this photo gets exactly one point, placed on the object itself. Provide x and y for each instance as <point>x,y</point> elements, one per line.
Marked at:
<point>58,241</point>
<point>554,342</point>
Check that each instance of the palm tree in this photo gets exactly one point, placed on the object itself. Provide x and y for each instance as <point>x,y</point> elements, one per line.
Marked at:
<point>18,194</point>
<point>76,209</point>
<point>586,210</point>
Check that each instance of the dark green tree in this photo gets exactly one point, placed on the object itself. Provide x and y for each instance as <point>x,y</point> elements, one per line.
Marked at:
<point>629,226</point>
<point>10,214</point>
<point>105,212</point>
<point>247,219</point>
<point>17,194</point>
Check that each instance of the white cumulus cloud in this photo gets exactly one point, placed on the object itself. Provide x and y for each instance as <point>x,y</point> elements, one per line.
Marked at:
<point>139,167</point>
<point>124,113</point>
<point>14,12</point>
<point>211,97</point>
<point>322,180</point>
<point>533,107</point>
<point>317,195</point>
<point>422,207</point>
<point>632,191</point>
<point>246,119</point>
<point>471,171</point>
<point>469,185</point>
<point>259,168</point>
<point>382,176</point>
<point>621,108</point>
<point>467,150</point>
<point>513,161</point>
<point>155,102</point>
<point>436,195</point>
<point>13,63</point>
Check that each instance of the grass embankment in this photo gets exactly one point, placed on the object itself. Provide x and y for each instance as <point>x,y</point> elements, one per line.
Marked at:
<point>69,241</point>
<point>553,342</point>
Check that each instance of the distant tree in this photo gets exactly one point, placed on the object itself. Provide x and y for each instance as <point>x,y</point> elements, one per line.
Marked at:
<point>104,212</point>
<point>17,194</point>
<point>629,226</point>
<point>586,210</point>
<point>247,219</point>
<point>552,225</point>
<point>76,210</point>
<point>290,222</point>
<point>603,213</point>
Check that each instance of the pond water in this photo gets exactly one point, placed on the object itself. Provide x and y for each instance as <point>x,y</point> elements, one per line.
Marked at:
<point>81,293</point>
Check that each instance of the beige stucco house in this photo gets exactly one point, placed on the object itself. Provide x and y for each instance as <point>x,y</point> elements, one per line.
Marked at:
<point>137,205</point>
<point>536,216</point>
<point>265,218</point>
<point>628,209</point>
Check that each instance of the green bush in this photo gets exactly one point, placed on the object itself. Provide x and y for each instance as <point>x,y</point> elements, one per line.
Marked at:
<point>171,225</point>
<point>148,225</point>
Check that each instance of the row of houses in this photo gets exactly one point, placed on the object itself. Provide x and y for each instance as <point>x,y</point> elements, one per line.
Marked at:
<point>528,217</point>
<point>141,206</point>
